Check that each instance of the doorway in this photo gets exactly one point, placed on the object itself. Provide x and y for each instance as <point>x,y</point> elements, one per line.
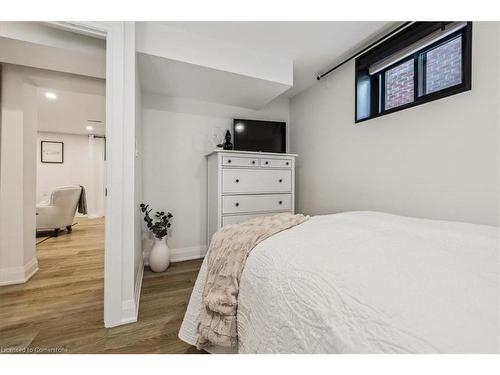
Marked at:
<point>122,245</point>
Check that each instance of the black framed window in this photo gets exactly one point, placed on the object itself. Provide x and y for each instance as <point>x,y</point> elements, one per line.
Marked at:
<point>425,62</point>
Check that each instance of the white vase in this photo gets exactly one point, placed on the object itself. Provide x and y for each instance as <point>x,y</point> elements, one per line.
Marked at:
<point>159,257</point>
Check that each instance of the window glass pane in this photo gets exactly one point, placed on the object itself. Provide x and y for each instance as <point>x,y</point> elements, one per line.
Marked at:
<point>363,98</point>
<point>442,66</point>
<point>399,85</point>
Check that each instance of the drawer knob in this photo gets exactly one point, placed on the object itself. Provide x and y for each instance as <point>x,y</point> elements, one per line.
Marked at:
<point>236,204</point>
<point>237,180</point>
<point>280,202</point>
<point>267,162</point>
<point>229,161</point>
<point>287,163</point>
<point>253,161</point>
<point>281,180</point>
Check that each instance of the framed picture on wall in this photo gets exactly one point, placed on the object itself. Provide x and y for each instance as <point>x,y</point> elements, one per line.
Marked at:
<point>52,152</point>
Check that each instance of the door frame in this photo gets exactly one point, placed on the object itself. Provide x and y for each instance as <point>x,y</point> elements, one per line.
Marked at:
<point>119,306</point>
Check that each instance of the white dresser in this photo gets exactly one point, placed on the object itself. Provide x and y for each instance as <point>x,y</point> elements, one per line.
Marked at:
<point>243,185</point>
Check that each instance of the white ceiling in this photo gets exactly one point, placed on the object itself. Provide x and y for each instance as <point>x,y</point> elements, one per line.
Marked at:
<point>313,46</point>
<point>71,112</point>
<point>70,65</point>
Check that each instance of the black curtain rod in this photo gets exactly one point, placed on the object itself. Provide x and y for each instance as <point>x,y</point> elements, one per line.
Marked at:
<point>393,32</point>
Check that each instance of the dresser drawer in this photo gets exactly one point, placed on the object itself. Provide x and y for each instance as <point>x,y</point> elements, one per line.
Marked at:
<point>230,161</point>
<point>276,163</point>
<point>236,219</point>
<point>256,181</point>
<point>232,204</point>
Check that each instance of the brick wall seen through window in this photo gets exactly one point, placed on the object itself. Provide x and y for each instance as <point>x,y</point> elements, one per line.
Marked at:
<point>443,66</point>
<point>399,85</point>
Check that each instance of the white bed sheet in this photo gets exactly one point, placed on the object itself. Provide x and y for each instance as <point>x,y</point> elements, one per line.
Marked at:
<point>367,282</point>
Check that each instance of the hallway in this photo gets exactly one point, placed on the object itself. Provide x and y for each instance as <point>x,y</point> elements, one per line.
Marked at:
<point>60,310</point>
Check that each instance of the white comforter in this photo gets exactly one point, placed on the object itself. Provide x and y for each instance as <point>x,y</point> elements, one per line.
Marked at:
<point>367,282</point>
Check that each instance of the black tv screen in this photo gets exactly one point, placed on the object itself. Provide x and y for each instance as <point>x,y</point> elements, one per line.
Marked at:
<point>263,136</point>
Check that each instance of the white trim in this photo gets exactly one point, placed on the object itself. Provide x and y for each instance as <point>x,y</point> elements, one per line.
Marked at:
<point>30,268</point>
<point>18,275</point>
<point>138,287</point>
<point>130,308</point>
<point>113,275</point>
<point>277,154</point>
<point>94,216</point>
<point>187,253</point>
<point>79,28</point>
<point>116,310</point>
<point>181,254</point>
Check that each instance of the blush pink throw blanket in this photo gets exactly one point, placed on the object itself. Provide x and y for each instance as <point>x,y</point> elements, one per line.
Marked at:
<point>227,255</point>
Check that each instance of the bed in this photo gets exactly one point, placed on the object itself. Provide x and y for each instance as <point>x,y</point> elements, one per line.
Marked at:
<point>366,282</point>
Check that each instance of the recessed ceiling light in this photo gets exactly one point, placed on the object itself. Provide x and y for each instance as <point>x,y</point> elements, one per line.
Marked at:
<point>50,95</point>
<point>90,128</point>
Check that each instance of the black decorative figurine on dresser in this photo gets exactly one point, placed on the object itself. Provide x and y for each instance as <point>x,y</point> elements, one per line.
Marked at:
<point>228,145</point>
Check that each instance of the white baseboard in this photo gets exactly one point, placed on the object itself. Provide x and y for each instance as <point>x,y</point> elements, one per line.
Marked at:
<point>181,254</point>
<point>138,287</point>
<point>88,215</point>
<point>128,312</point>
<point>93,217</point>
<point>187,253</point>
<point>130,308</point>
<point>18,275</point>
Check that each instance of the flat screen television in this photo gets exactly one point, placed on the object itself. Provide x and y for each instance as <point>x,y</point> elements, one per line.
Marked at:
<point>263,136</point>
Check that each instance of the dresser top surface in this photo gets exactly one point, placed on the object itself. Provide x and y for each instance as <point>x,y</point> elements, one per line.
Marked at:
<point>233,152</point>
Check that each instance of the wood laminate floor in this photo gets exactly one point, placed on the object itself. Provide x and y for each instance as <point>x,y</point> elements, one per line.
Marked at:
<point>60,310</point>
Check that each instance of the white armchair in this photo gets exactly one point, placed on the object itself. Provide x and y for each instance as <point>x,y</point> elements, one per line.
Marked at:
<point>59,211</point>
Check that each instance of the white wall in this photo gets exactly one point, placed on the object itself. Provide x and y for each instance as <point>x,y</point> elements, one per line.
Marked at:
<point>158,39</point>
<point>29,179</point>
<point>83,165</point>
<point>177,133</point>
<point>40,33</point>
<point>17,177</point>
<point>96,191</point>
<point>438,160</point>
<point>35,44</point>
